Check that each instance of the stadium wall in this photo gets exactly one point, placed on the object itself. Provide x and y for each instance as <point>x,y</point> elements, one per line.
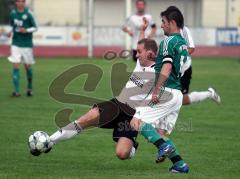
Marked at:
<point>72,41</point>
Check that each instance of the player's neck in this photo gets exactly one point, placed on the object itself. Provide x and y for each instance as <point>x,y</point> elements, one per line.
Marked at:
<point>175,31</point>
<point>140,13</point>
<point>20,9</point>
<point>149,64</point>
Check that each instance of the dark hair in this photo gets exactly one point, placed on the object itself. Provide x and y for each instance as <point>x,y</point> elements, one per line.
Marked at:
<point>137,1</point>
<point>173,13</point>
<point>149,44</point>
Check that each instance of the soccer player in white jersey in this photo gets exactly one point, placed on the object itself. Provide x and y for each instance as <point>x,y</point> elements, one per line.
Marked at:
<point>133,24</point>
<point>116,113</point>
<point>195,96</point>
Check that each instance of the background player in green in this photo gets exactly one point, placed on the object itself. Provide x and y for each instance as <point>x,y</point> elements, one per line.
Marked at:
<point>23,25</point>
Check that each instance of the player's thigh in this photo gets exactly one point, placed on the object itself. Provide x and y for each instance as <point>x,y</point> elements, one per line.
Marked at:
<point>16,55</point>
<point>157,115</point>
<point>186,80</point>
<point>27,54</point>
<point>167,124</point>
<point>109,114</point>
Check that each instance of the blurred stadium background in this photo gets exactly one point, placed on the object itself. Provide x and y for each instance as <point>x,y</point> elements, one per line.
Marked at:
<point>206,134</point>
<point>64,25</point>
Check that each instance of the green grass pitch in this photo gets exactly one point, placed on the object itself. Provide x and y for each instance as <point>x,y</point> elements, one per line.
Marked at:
<point>207,134</point>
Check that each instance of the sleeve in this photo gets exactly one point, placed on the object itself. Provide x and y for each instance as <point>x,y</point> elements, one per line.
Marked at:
<point>11,19</point>
<point>167,50</point>
<point>32,20</point>
<point>33,27</point>
<point>188,37</point>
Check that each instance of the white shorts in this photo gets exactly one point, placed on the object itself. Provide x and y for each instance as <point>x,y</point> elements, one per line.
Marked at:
<point>21,55</point>
<point>164,114</point>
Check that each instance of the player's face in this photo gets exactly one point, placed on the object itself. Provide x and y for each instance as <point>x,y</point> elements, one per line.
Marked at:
<point>140,7</point>
<point>141,54</point>
<point>165,26</point>
<point>20,4</point>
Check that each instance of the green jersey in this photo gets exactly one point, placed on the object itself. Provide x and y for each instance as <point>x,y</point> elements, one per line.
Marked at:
<point>22,19</point>
<point>172,50</point>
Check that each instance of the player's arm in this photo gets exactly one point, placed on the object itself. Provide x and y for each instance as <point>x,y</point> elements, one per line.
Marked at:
<point>9,34</point>
<point>126,29</point>
<point>31,29</point>
<point>154,28</point>
<point>163,76</point>
<point>153,31</point>
<point>191,50</point>
<point>143,28</point>
<point>189,39</point>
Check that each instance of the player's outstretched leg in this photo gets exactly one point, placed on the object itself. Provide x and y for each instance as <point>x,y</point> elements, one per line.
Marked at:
<point>72,129</point>
<point>195,97</point>
<point>215,96</point>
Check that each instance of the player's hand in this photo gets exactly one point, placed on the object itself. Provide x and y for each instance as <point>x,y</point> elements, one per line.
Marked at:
<point>22,30</point>
<point>155,96</point>
<point>145,24</point>
<point>130,33</point>
<point>9,34</point>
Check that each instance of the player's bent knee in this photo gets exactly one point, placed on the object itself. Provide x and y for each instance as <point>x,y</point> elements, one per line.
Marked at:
<point>135,124</point>
<point>122,154</point>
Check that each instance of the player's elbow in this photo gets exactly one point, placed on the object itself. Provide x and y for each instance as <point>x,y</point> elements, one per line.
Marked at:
<point>191,50</point>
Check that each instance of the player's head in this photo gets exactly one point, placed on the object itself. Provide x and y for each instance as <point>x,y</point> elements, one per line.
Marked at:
<point>146,51</point>
<point>20,4</point>
<point>140,6</point>
<point>172,20</point>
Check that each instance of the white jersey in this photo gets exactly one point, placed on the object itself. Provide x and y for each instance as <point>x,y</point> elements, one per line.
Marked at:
<point>186,34</point>
<point>134,22</point>
<point>138,87</point>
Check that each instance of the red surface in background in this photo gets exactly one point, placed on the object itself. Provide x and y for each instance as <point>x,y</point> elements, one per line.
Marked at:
<point>64,51</point>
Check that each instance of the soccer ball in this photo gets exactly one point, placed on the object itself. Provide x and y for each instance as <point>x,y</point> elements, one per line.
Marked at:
<point>39,142</point>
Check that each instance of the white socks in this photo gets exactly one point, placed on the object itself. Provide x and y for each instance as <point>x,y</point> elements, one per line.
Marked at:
<point>67,132</point>
<point>199,96</point>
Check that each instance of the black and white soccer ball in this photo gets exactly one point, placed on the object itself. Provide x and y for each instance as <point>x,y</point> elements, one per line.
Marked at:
<point>39,142</point>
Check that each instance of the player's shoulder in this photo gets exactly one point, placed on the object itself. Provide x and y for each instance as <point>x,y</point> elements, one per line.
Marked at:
<point>28,11</point>
<point>185,29</point>
<point>149,16</point>
<point>13,11</point>
<point>168,40</point>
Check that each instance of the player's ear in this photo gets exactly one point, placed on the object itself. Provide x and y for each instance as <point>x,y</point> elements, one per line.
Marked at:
<point>151,55</point>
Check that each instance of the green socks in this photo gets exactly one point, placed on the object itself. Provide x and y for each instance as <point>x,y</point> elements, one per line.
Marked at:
<point>29,78</point>
<point>175,157</point>
<point>16,78</point>
<point>149,133</point>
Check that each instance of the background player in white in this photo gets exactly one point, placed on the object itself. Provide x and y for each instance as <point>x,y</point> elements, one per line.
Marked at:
<point>133,25</point>
<point>195,96</point>
<point>23,25</point>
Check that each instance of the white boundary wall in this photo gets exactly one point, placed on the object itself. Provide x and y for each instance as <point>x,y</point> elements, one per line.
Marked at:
<point>113,36</point>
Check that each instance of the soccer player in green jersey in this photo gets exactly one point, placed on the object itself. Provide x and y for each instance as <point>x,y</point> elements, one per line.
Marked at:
<point>23,26</point>
<point>156,120</point>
